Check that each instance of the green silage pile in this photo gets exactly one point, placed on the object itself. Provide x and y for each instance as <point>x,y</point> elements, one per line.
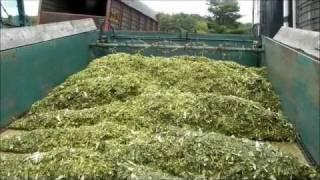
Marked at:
<point>174,152</point>
<point>135,117</point>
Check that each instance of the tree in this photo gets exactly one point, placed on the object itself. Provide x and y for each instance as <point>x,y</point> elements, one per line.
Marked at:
<point>225,12</point>
<point>201,27</point>
<point>223,20</point>
<point>189,22</point>
<point>166,23</point>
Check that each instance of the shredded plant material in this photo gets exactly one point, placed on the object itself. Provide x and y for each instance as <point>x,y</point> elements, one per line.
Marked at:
<point>135,117</point>
<point>229,115</point>
<point>120,76</point>
<point>175,152</point>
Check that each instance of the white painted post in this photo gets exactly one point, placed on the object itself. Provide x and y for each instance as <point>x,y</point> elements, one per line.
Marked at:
<point>257,19</point>
<point>285,13</point>
<point>294,13</point>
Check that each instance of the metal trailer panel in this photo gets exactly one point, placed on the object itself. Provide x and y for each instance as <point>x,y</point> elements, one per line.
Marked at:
<point>221,47</point>
<point>52,17</point>
<point>29,72</point>
<point>308,14</point>
<point>296,79</point>
<point>168,36</point>
<point>303,40</point>
<point>17,37</point>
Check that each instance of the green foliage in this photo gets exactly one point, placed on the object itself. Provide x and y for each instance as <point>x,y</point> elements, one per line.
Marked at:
<point>242,29</point>
<point>223,19</point>
<point>225,12</point>
<point>201,27</point>
<point>224,16</point>
<point>190,23</point>
<point>215,28</point>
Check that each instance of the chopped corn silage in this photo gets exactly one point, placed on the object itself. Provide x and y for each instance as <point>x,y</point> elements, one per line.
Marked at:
<point>175,152</point>
<point>121,75</point>
<point>130,117</point>
<point>229,115</point>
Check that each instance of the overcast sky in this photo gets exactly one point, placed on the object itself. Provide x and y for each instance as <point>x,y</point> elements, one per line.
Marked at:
<point>166,6</point>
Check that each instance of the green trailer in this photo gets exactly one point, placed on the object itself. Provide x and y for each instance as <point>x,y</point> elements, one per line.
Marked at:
<point>37,59</point>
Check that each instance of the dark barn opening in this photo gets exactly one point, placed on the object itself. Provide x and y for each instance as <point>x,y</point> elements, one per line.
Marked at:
<point>84,7</point>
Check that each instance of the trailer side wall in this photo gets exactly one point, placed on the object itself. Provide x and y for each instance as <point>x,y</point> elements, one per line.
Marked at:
<point>296,79</point>
<point>30,71</point>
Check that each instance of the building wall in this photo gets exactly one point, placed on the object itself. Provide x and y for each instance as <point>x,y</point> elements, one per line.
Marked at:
<point>271,15</point>
<point>124,17</point>
<point>308,14</point>
<point>121,17</point>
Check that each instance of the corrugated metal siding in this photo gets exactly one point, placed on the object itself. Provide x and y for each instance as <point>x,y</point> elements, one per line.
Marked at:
<point>126,18</point>
<point>135,20</point>
<point>141,19</point>
<point>308,14</point>
<point>155,26</point>
<point>129,18</point>
<point>141,7</point>
<point>116,15</point>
